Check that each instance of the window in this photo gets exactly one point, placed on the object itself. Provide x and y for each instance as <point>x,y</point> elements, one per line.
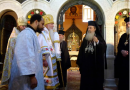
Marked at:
<point>64,18</point>
<point>87,13</point>
<point>34,11</point>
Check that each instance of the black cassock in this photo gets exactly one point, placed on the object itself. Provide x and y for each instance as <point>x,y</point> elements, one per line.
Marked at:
<point>91,68</point>
<point>121,64</point>
<point>0,57</point>
<point>65,63</point>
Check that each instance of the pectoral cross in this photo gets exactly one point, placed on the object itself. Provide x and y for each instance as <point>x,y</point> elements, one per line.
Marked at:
<point>89,49</point>
<point>86,49</point>
<point>126,42</point>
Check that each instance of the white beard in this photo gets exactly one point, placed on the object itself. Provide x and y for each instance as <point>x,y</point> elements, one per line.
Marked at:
<point>128,30</point>
<point>51,34</point>
<point>89,36</point>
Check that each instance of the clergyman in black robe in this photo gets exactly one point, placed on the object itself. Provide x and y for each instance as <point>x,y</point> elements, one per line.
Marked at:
<point>91,59</point>
<point>65,61</point>
<point>121,64</point>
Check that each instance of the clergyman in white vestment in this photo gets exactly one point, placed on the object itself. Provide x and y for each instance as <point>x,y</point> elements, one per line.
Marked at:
<point>22,22</point>
<point>46,40</point>
<point>27,67</point>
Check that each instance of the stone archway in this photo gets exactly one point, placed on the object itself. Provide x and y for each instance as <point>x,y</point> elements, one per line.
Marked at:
<point>92,4</point>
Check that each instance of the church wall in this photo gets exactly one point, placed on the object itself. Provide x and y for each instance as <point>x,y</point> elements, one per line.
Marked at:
<point>110,21</point>
<point>78,20</point>
<point>30,5</point>
<point>110,14</point>
<point>10,5</point>
<point>109,8</point>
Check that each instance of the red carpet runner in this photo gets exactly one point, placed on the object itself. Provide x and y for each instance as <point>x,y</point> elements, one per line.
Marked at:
<point>73,77</point>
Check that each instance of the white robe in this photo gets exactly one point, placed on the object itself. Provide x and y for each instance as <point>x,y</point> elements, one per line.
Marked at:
<point>9,56</point>
<point>27,60</point>
<point>57,46</point>
<point>51,77</point>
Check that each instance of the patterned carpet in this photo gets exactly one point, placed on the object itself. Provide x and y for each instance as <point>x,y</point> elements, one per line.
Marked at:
<point>73,77</point>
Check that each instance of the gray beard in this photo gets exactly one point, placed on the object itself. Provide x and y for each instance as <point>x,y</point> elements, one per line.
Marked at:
<point>89,36</point>
<point>51,34</point>
<point>128,30</point>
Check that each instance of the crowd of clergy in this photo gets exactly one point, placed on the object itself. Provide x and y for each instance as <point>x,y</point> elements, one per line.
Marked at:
<point>37,57</point>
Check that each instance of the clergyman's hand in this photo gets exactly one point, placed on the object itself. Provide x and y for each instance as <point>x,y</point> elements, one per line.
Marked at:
<point>33,81</point>
<point>45,64</point>
<point>124,53</point>
<point>95,39</point>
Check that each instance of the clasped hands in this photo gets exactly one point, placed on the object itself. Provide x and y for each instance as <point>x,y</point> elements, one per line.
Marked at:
<point>124,53</point>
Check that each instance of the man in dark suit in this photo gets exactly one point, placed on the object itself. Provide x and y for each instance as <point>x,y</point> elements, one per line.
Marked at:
<point>121,64</point>
<point>65,62</point>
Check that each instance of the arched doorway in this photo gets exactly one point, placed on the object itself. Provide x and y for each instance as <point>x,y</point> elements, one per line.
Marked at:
<point>7,23</point>
<point>71,32</point>
<point>92,4</point>
<point>120,26</point>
